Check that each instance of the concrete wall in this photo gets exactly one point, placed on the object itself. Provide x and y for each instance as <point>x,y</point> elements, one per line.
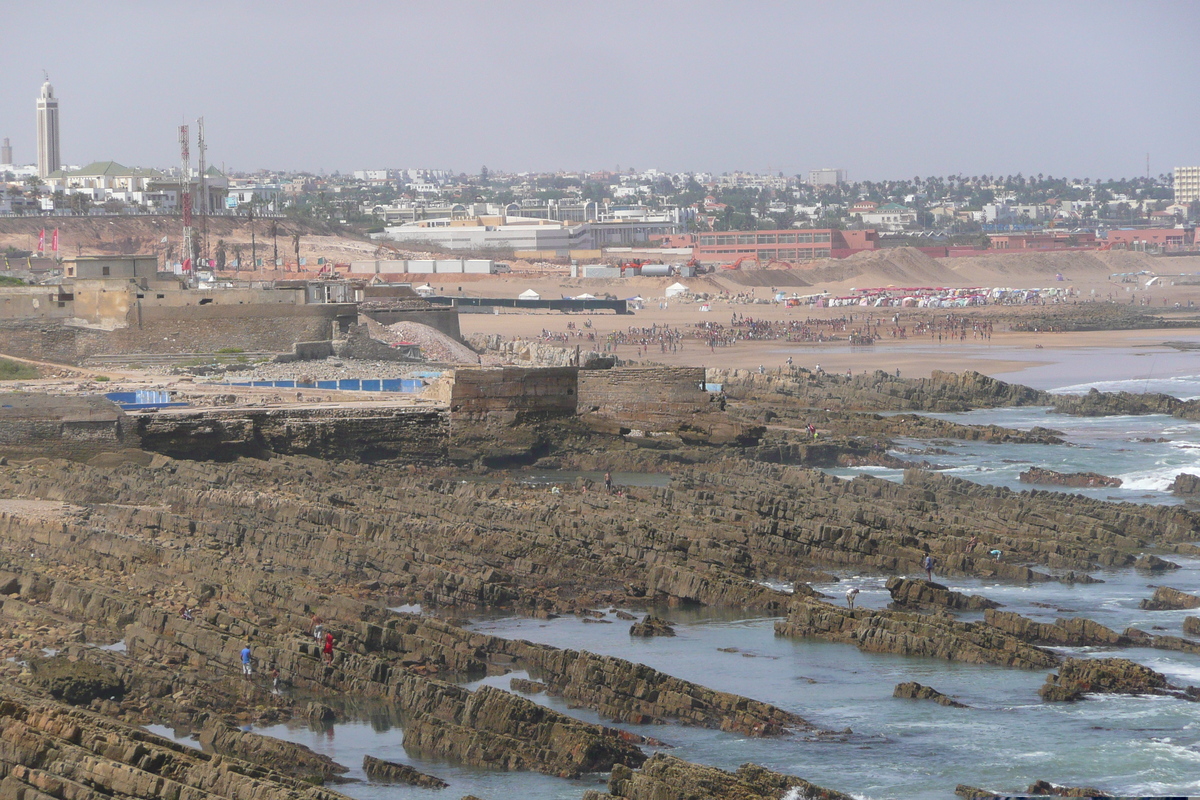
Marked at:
<point>36,425</point>
<point>655,398</point>
<point>202,329</point>
<point>510,391</point>
<point>442,319</point>
<point>33,302</point>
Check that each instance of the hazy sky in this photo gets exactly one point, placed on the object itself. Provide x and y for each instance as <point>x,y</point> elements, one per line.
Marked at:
<point>882,89</point>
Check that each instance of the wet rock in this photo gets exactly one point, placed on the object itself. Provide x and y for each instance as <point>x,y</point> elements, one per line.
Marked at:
<point>381,771</point>
<point>1152,563</point>
<point>651,626</point>
<point>495,729</point>
<point>973,793</point>
<point>1186,485</point>
<point>1168,599</point>
<point>1047,788</point>
<point>294,760</point>
<point>1191,626</point>
<point>1064,632</point>
<point>52,750</point>
<point>527,687</point>
<point>665,777</point>
<point>624,615</point>
<point>76,682</point>
<point>1107,404</point>
<point>915,593</point>
<point>1077,677</point>
<point>1048,477</point>
<point>917,691</point>
<point>909,633</point>
<point>319,712</point>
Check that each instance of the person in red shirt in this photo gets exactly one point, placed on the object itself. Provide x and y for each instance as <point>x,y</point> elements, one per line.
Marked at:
<point>328,649</point>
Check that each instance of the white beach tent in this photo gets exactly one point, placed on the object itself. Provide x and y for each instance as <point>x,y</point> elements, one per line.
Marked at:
<point>529,294</point>
<point>585,297</point>
<point>677,289</point>
<point>425,290</point>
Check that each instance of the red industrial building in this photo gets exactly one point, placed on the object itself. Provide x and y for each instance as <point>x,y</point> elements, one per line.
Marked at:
<point>1164,238</point>
<point>1044,240</point>
<point>789,245</point>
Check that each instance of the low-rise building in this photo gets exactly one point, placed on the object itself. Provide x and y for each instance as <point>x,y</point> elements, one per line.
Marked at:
<point>782,245</point>
<point>1044,240</point>
<point>1152,239</point>
<point>889,217</point>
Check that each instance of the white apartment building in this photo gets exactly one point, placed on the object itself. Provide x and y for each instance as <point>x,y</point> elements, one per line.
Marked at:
<point>1187,184</point>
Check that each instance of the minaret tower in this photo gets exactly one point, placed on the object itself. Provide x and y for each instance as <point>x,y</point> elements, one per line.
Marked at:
<point>47,131</point>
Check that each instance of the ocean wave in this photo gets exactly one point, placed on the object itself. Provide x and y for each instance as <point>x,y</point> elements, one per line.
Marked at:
<point>1183,387</point>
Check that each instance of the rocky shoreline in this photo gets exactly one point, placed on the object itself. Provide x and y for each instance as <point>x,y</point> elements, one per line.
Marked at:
<point>255,549</point>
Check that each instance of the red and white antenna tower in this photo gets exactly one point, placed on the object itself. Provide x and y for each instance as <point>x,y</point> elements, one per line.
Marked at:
<point>185,196</point>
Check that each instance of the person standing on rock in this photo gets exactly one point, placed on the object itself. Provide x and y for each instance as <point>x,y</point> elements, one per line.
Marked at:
<point>608,482</point>
<point>314,627</point>
<point>246,662</point>
<point>850,595</point>
<point>927,565</point>
<point>327,651</point>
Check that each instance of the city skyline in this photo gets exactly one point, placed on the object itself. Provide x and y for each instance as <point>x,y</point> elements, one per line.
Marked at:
<point>881,91</point>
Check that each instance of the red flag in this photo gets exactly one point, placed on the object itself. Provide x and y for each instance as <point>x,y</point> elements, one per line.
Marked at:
<point>42,242</point>
<point>54,241</point>
<point>187,265</point>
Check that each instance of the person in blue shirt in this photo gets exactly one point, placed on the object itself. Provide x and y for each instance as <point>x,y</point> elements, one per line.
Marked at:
<point>246,661</point>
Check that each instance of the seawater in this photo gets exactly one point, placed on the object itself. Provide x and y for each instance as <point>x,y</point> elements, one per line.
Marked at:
<point>894,748</point>
<point>1112,446</point>
<point>899,748</point>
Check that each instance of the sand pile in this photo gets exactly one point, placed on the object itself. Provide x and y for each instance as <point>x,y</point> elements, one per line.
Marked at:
<point>1029,269</point>
<point>435,345</point>
<point>894,266</point>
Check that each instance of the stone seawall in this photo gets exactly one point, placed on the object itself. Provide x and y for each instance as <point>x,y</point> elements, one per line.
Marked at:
<point>177,330</point>
<point>77,428</point>
<point>385,433</point>
<point>650,398</point>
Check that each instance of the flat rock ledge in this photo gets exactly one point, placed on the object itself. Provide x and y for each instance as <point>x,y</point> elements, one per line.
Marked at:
<point>381,771</point>
<point>1079,676</point>
<point>665,777</point>
<point>909,593</point>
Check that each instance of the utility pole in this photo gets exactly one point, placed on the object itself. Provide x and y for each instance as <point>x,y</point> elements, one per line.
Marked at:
<point>253,245</point>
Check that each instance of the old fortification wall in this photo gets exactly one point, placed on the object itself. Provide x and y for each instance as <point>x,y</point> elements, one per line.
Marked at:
<point>189,329</point>
<point>506,392</point>
<point>33,425</point>
<point>652,398</point>
<point>385,433</point>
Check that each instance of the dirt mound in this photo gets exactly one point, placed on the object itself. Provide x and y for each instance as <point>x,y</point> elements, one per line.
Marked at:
<point>899,266</point>
<point>435,345</point>
<point>765,277</point>
<point>1001,269</point>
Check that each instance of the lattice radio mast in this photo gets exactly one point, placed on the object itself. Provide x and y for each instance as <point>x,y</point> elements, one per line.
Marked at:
<point>200,165</point>
<point>185,196</point>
